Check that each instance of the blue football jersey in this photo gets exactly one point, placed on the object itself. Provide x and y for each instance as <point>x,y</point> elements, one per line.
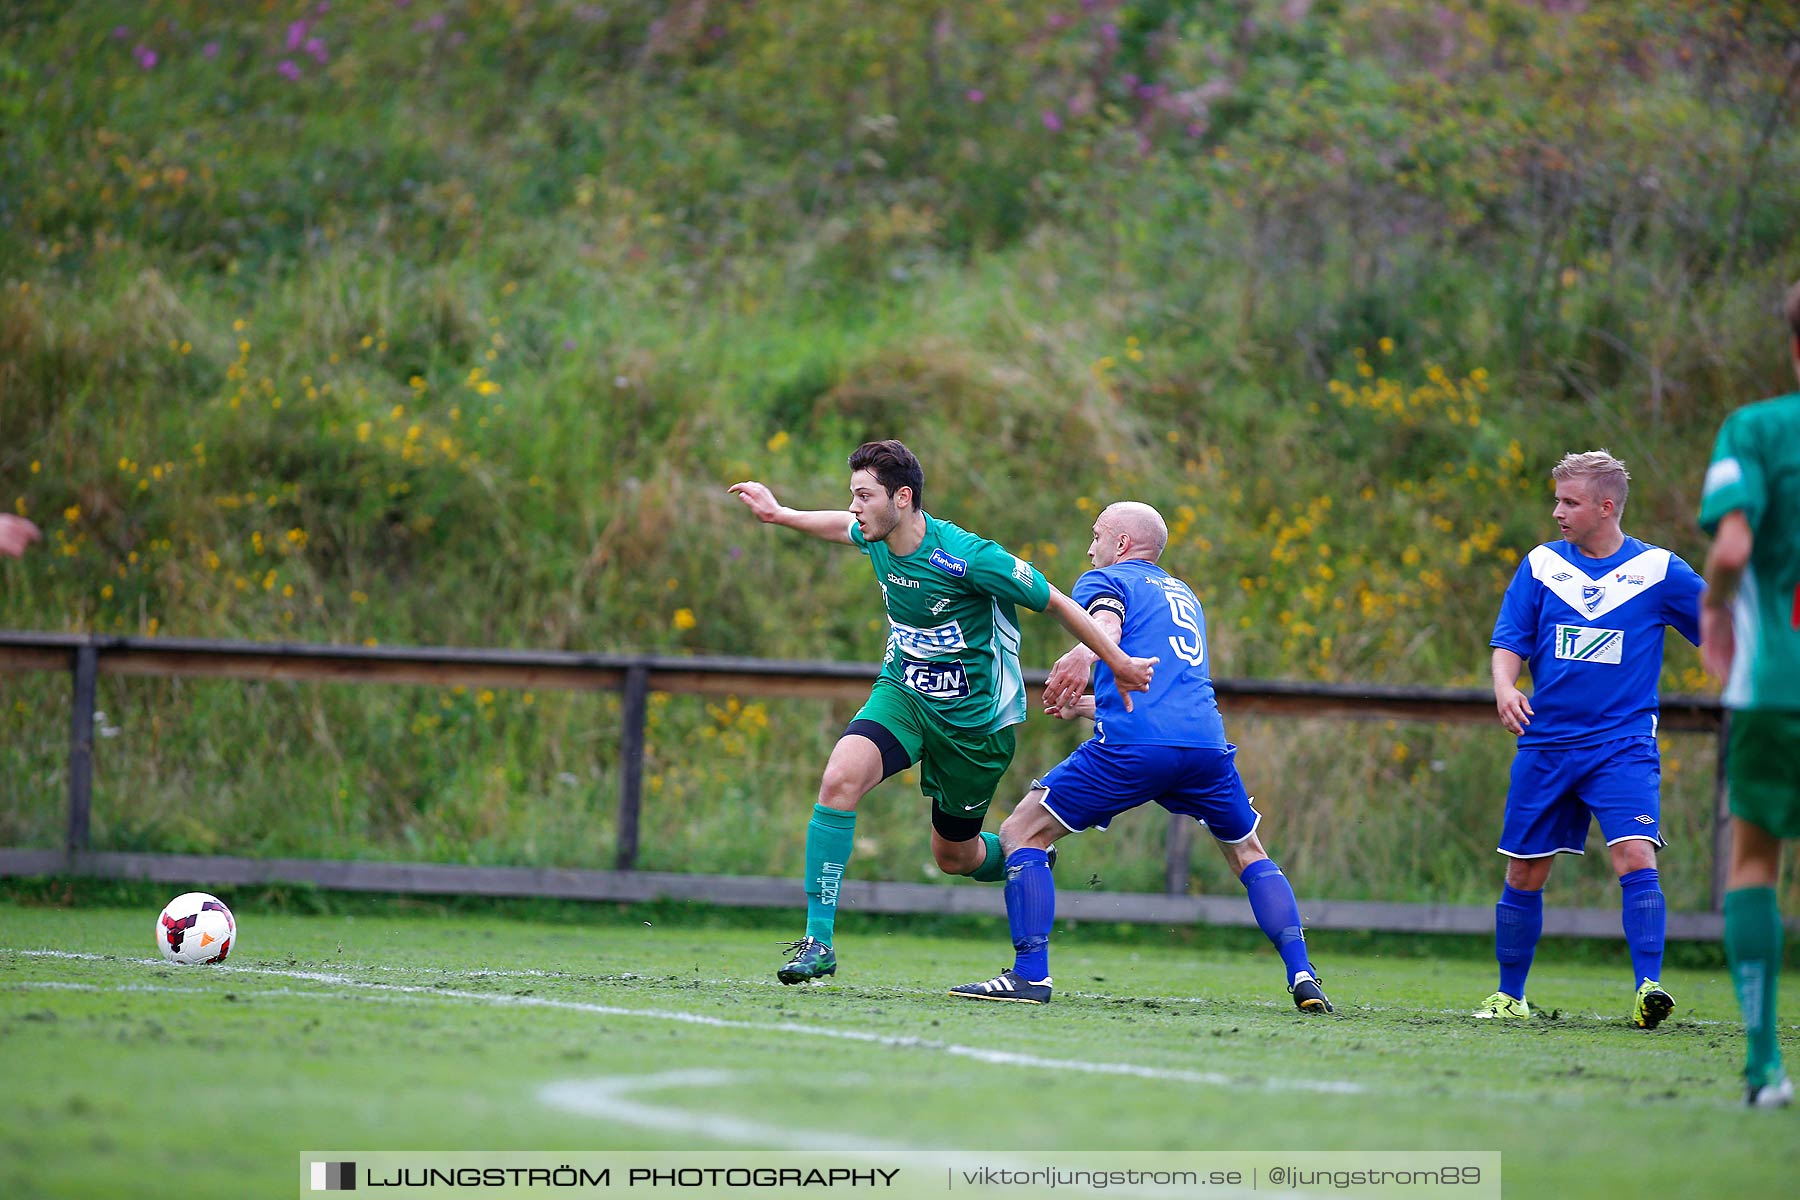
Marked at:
<point>1162,619</point>
<point>1591,630</point>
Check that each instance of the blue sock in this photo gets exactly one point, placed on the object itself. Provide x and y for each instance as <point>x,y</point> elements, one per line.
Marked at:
<point>1644,917</point>
<point>1277,913</point>
<point>1030,911</point>
<point>1518,924</point>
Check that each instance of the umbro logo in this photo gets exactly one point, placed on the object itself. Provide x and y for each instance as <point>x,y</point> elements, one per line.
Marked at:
<point>1641,819</point>
<point>1561,577</point>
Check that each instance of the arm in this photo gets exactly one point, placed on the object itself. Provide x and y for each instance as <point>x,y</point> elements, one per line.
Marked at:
<point>16,533</point>
<point>1068,677</point>
<point>1083,707</point>
<point>1514,705</point>
<point>831,525</point>
<point>1725,563</point>
<point>1129,674</point>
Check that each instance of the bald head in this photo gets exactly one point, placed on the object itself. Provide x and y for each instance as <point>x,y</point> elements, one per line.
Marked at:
<point>1142,529</point>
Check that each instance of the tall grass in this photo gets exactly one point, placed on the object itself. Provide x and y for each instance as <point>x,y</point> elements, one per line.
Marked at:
<point>451,322</point>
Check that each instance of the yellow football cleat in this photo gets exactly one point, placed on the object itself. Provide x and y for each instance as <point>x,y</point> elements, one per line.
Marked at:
<point>1502,1005</point>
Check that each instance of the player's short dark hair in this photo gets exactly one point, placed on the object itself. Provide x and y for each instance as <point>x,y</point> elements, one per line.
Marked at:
<point>1792,309</point>
<point>895,466</point>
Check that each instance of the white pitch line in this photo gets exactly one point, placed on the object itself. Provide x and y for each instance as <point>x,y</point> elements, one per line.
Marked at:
<point>894,1041</point>
<point>1596,1018</point>
<point>609,1100</point>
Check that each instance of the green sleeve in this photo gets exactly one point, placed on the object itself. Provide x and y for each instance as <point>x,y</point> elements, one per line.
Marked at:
<point>1735,479</point>
<point>996,572</point>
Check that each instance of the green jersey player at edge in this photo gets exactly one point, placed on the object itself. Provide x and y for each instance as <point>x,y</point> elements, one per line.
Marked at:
<point>950,688</point>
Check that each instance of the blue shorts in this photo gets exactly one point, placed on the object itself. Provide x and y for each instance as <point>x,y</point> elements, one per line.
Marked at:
<point>1098,782</point>
<point>1554,793</point>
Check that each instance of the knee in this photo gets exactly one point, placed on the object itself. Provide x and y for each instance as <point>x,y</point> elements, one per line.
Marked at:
<point>1635,855</point>
<point>840,789</point>
<point>957,858</point>
<point>1528,874</point>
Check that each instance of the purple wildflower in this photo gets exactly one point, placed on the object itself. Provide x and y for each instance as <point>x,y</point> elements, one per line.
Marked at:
<point>975,95</point>
<point>210,50</point>
<point>121,32</point>
<point>1052,122</point>
<point>296,35</point>
<point>146,57</point>
<point>287,70</point>
<point>316,48</point>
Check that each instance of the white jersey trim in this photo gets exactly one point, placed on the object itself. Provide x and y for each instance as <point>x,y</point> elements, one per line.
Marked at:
<point>1746,628</point>
<point>1593,596</point>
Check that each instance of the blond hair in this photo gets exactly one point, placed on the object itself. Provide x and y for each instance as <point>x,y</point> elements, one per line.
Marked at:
<point>1604,474</point>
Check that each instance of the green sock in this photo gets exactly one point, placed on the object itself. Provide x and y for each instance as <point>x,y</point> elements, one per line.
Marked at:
<point>993,867</point>
<point>830,836</point>
<point>1753,948</point>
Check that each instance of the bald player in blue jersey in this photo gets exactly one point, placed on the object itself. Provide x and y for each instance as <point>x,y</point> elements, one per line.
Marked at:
<point>1587,613</point>
<point>1169,748</point>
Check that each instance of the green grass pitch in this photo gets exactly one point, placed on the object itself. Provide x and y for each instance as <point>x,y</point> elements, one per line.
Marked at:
<point>125,1076</point>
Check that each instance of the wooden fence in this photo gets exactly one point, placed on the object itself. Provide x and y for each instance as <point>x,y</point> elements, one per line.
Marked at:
<point>86,657</point>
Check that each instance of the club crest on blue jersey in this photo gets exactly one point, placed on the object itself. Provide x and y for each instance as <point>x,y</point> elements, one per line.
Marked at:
<point>949,564</point>
<point>936,680</point>
<point>1592,595</point>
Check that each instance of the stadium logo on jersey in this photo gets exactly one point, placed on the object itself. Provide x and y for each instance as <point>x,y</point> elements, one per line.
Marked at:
<point>1591,596</point>
<point>925,643</point>
<point>1581,644</point>
<point>940,604</point>
<point>1021,570</point>
<point>936,680</point>
<point>902,581</point>
<point>949,564</point>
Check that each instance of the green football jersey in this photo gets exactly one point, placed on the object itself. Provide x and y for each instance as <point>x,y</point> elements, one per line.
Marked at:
<point>953,635</point>
<point>1756,468</point>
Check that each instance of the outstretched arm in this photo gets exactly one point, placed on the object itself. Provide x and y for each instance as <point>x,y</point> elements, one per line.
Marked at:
<point>829,524</point>
<point>1725,563</point>
<point>16,533</point>
<point>1067,682</point>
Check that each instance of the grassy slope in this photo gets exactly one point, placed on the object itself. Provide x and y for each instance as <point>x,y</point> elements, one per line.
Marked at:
<point>493,300</point>
<point>258,1063</point>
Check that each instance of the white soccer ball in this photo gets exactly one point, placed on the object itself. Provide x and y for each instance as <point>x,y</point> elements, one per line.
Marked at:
<point>195,928</point>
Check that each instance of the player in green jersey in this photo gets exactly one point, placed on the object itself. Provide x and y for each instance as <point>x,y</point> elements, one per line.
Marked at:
<point>1750,625</point>
<point>950,688</point>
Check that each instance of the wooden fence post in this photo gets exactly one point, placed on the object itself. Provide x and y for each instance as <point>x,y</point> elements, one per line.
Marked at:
<point>631,762</point>
<point>86,668</point>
